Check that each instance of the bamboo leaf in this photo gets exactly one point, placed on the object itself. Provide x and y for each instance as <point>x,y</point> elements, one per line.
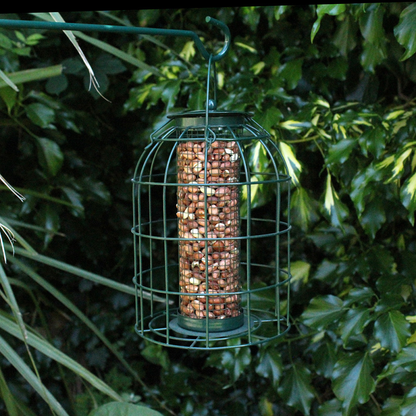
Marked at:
<point>8,81</point>
<point>29,75</point>
<point>17,362</point>
<point>50,351</point>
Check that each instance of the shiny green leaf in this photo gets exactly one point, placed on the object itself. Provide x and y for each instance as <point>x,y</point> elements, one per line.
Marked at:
<point>352,381</point>
<point>323,311</point>
<point>404,31</point>
<point>50,155</point>
<point>334,208</point>
<point>321,11</point>
<point>40,114</point>
<point>373,217</point>
<point>340,152</point>
<point>270,365</point>
<point>408,407</point>
<point>354,322</point>
<point>392,330</point>
<point>408,197</point>
<point>296,389</point>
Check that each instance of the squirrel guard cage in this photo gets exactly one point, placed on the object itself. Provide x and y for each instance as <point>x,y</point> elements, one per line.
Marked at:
<point>212,262</point>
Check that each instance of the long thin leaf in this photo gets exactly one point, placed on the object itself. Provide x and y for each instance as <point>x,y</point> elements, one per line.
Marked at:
<point>50,351</point>
<point>75,310</point>
<point>16,361</point>
<point>109,49</point>
<point>121,287</point>
<point>120,54</point>
<point>7,396</point>
<point>93,80</point>
<point>8,81</point>
<point>28,75</point>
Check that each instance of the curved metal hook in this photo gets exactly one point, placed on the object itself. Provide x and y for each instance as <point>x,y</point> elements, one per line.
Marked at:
<point>201,47</point>
<point>227,39</point>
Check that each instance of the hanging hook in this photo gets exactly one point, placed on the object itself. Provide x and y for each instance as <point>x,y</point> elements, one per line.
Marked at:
<point>227,35</point>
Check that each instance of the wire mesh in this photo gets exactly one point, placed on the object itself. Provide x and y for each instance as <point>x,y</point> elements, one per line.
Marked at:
<point>211,227</point>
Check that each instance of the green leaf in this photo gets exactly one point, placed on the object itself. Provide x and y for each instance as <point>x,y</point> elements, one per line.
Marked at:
<point>408,197</point>
<point>408,407</point>
<point>17,362</point>
<point>354,322</point>
<point>302,208</point>
<point>123,409</point>
<point>323,311</point>
<point>344,38</point>
<point>405,31</point>
<point>155,354</point>
<point>293,165</point>
<point>270,365</point>
<point>291,72</point>
<point>296,389</point>
<point>373,217</point>
<point>340,152</point>
<point>40,114</point>
<point>392,330</point>
<point>269,117</point>
<point>321,11</point>
<point>333,206</point>
<point>29,75</point>
<point>371,24</point>
<point>50,155</point>
<point>235,361</point>
<point>351,381</point>
<point>50,351</point>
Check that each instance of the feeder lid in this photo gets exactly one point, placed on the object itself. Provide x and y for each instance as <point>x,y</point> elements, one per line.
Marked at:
<point>215,117</point>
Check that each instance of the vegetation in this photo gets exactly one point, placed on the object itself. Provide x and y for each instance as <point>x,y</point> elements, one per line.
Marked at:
<point>335,86</point>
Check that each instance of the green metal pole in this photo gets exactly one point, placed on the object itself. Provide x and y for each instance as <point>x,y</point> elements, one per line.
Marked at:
<point>82,27</point>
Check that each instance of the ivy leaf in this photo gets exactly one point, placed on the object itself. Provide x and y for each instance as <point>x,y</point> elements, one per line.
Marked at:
<point>351,381</point>
<point>270,365</point>
<point>235,362</point>
<point>354,323</point>
<point>392,330</point>
<point>296,388</point>
<point>405,31</point>
<point>373,217</point>
<point>323,311</point>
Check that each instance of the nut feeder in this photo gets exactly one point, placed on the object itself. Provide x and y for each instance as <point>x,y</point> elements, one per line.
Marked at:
<point>212,270</point>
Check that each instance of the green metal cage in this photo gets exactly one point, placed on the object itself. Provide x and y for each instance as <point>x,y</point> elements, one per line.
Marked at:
<point>212,262</point>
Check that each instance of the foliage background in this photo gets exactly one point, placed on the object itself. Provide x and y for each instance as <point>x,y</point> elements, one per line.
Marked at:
<point>335,85</point>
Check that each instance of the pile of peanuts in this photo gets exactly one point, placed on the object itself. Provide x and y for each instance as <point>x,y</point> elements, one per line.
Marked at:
<point>208,218</point>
